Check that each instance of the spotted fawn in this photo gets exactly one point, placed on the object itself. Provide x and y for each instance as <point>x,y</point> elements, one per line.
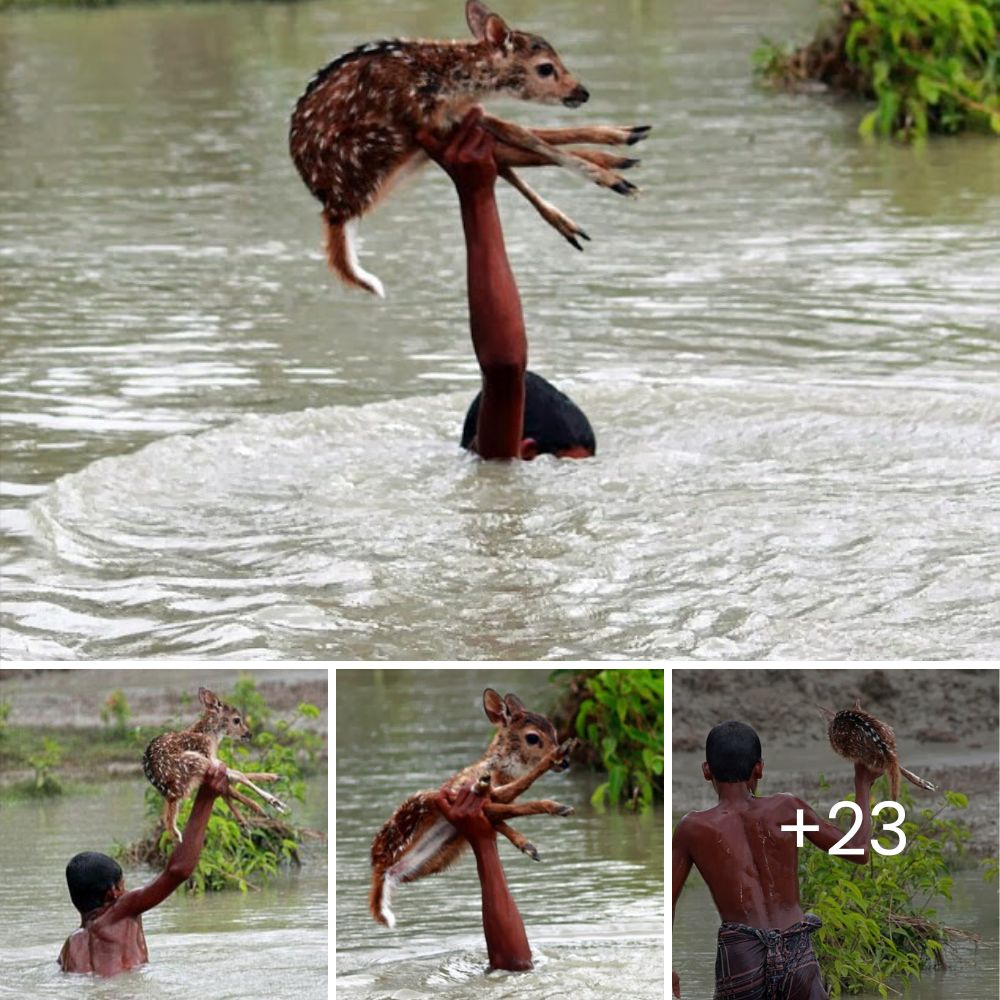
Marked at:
<point>863,739</point>
<point>417,840</point>
<point>175,763</point>
<point>353,131</point>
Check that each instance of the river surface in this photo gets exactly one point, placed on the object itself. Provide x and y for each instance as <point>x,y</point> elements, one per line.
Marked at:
<point>972,968</point>
<point>592,909</point>
<point>270,943</point>
<point>788,349</point>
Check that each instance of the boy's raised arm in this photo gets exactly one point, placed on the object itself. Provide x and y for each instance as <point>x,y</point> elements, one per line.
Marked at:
<point>184,860</point>
<point>506,940</point>
<point>828,834</point>
<point>495,316</point>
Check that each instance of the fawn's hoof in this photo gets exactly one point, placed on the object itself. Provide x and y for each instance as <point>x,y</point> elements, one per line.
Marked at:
<point>565,811</point>
<point>638,133</point>
<point>622,186</point>
<point>532,853</point>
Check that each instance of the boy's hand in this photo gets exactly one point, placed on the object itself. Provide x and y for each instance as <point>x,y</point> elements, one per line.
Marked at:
<point>865,775</point>
<point>216,779</point>
<point>466,155</point>
<point>464,810</point>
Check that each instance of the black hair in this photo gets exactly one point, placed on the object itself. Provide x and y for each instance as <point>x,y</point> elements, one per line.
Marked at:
<point>732,749</point>
<point>550,417</point>
<point>89,875</point>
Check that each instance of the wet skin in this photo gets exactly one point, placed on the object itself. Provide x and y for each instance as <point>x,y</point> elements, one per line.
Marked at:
<point>748,862</point>
<point>467,155</point>
<point>506,939</point>
<point>110,938</point>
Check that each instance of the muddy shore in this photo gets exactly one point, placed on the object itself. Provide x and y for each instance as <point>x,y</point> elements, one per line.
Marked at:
<point>945,720</point>
<point>61,701</point>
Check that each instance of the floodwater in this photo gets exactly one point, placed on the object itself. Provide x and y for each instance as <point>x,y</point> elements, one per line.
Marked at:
<point>270,943</point>
<point>788,349</point>
<point>972,969</point>
<point>593,908</point>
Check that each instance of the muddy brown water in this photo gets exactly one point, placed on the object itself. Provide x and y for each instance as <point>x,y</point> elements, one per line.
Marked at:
<point>271,943</point>
<point>788,349</point>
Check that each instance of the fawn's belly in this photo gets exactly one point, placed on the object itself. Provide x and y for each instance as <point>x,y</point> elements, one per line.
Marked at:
<point>167,770</point>
<point>423,850</point>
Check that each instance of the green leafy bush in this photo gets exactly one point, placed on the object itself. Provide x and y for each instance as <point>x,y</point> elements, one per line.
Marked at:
<point>878,921</point>
<point>929,65</point>
<point>43,761</point>
<point>115,715</point>
<point>619,714</point>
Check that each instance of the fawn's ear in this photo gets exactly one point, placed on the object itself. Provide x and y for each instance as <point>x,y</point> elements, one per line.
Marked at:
<point>496,710</point>
<point>207,698</point>
<point>476,14</point>
<point>514,705</point>
<point>497,33</point>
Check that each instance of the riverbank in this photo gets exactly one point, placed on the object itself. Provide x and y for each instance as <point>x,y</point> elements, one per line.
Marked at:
<point>945,722</point>
<point>65,706</point>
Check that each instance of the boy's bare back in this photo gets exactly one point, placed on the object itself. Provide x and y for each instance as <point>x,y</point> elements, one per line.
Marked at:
<point>747,860</point>
<point>105,946</point>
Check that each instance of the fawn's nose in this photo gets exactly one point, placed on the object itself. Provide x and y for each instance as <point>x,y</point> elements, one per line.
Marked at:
<point>579,95</point>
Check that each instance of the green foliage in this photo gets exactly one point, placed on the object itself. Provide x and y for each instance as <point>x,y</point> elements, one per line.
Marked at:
<point>234,856</point>
<point>622,717</point>
<point>43,761</point>
<point>991,869</point>
<point>929,65</point>
<point>5,710</point>
<point>878,923</point>
<point>115,715</point>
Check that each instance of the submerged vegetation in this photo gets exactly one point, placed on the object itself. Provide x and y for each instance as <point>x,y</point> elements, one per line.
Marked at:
<point>234,856</point>
<point>878,921</point>
<point>929,65</point>
<point>619,716</point>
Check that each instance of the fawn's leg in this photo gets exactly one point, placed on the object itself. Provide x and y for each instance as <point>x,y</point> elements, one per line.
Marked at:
<point>244,779</point>
<point>510,791</point>
<point>514,156</point>
<point>518,840</point>
<point>240,797</point>
<point>560,222</point>
<point>502,811</point>
<point>602,135</point>
<point>240,818</point>
<point>170,818</point>
<point>517,135</point>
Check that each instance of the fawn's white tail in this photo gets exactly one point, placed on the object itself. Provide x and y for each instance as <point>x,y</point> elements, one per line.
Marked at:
<point>343,257</point>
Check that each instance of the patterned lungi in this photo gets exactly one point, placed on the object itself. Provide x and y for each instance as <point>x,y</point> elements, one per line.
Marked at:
<point>755,964</point>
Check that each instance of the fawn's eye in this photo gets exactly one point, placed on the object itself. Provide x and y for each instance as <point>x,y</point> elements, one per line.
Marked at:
<point>545,69</point>
<point>236,719</point>
<point>532,739</point>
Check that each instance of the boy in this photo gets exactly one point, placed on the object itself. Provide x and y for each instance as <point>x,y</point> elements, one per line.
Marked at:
<point>110,938</point>
<point>750,865</point>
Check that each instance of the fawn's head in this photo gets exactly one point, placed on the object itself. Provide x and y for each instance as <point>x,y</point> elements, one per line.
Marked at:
<point>523,738</point>
<point>219,719</point>
<point>525,65</point>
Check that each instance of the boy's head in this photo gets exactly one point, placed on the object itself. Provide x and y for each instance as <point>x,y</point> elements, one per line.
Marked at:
<point>555,424</point>
<point>732,753</point>
<point>90,875</point>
